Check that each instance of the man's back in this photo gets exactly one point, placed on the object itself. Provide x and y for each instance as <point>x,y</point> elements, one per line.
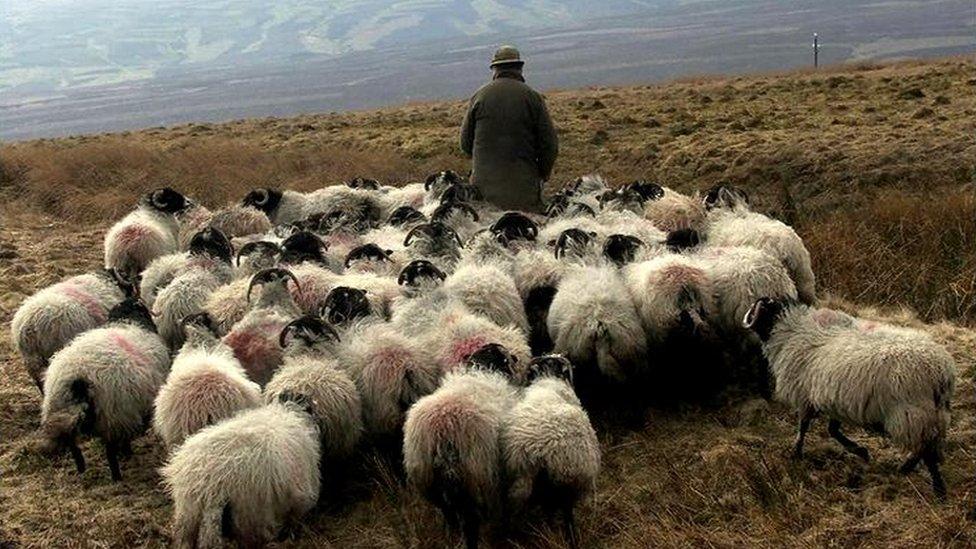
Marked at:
<point>510,136</point>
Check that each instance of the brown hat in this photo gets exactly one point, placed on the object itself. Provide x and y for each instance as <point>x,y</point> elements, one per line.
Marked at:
<point>506,55</point>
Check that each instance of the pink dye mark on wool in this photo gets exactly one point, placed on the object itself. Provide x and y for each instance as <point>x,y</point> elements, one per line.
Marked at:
<point>867,326</point>
<point>80,295</point>
<point>680,275</point>
<point>132,352</point>
<point>131,234</point>
<point>393,359</point>
<point>462,349</point>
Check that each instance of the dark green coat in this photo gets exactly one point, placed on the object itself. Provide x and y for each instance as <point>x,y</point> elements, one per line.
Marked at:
<point>510,136</point>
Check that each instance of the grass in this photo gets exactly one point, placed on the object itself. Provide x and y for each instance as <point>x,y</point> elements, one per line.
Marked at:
<point>874,165</point>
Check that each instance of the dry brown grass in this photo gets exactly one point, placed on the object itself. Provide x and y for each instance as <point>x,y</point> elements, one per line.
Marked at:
<point>878,181</point>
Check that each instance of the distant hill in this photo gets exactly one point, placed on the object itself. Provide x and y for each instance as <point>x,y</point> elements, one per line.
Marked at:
<point>82,66</point>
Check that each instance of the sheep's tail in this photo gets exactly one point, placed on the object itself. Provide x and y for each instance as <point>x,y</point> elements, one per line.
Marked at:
<point>604,359</point>
<point>450,494</point>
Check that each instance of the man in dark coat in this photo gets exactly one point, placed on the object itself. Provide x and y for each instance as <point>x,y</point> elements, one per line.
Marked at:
<point>508,133</point>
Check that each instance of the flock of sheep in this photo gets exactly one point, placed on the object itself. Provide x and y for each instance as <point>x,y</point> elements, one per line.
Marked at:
<point>428,324</point>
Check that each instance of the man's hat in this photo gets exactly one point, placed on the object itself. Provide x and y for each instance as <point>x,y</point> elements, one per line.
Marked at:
<point>506,55</point>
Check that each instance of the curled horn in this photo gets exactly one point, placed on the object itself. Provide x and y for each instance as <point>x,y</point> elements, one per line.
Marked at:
<point>207,321</point>
<point>263,196</point>
<point>260,276</point>
<point>156,198</point>
<point>423,228</point>
<point>430,181</point>
<point>328,330</point>
<point>251,246</point>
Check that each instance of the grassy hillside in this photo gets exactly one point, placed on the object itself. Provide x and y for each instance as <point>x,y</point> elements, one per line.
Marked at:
<point>874,165</point>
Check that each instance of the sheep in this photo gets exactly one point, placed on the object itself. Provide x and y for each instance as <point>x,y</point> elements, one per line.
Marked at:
<point>435,241</point>
<point>623,249</point>
<point>672,211</point>
<point>370,258</point>
<point>392,371</point>
<point>459,216</point>
<point>672,294</point>
<point>145,234</point>
<point>574,242</point>
<point>896,380</point>
<point>487,289</point>
<point>46,321</point>
<point>234,221</point>
<point>487,247</point>
<point>515,226</point>
<point>208,269</point>
<point>623,200</point>
<point>206,385</point>
<point>310,372</point>
<point>422,301</point>
<point>246,477</point>
<point>451,450</point>
<point>281,207</point>
<point>103,384</point>
<point>254,338</point>
<point>592,320</point>
<point>731,223</point>
<point>405,217</point>
<point>458,332</point>
<point>435,185</point>
<point>257,255</point>
<point>550,450</point>
<point>339,206</point>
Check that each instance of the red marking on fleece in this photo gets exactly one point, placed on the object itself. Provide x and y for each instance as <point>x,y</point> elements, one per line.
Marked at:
<point>82,296</point>
<point>133,233</point>
<point>132,352</point>
<point>257,349</point>
<point>462,349</point>
<point>868,326</point>
<point>680,275</point>
<point>394,359</point>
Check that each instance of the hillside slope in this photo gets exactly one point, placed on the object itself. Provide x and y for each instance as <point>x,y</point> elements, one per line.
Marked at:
<point>873,164</point>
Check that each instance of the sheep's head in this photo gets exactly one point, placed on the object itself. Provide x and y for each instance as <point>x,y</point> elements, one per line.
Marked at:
<point>406,215</point>
<point>515,226</point>
<point>344,305</point>
<point>647,190</point>
<point>363,183</point>
<point>554,365</point>
<point>440,181</point>
<point>166,200</point>
<point>624,199</point>
<point>309,330</point>
<point>447,209</point>
<point>200,323</point>
<point>763,315</point>
<point>574,242</point>
<point>274,276</point>
<point>128,285</point>
<point>261,253</point>
<point>132,310</point>
<point>589,184</point>
<point>303,246</point>
<point>725,196</point>
<point>461,192</point>
<point>557,205</point>
<point>264,199</point>
<point>438,235</point>
<point>62,427</point>
<point>493,358</point>
<point>682,239</point>
<point>420,273</point>
<point>212,242</point>
<point>367,252</point>
<point>621,248</point>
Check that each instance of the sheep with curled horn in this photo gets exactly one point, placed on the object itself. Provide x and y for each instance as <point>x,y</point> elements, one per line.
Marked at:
<point>254,338</point>
<point>245,478</point>
<point>625,199</point>
<point>458,215</point>
<point>255,256</point>
<point>371,258</point>
<point>550,451</point>
<point>48,320</point>
<point>672,211</point>
<point>209,269</point>
<point>730,222</point>
<point>150,231</point>
<point>435,185</point>
<point>451,443</point>
<point>516,227</point>
<point>103,384</point>
<point>311,368</point>
<point>281,207</point>
<point>205,249</point>
<point>422,299</point>
<point>364,183</point>
<point>357,209</point>
<point>575,243</point>
<point>206,385</point>
<point>234,221</point>
<point>488,289</point>
<point>435,241</point>
<point>896,380</point>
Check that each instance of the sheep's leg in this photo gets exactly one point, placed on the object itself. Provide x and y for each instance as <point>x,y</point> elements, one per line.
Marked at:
<point>77,456</point>
<point>569,522</point>
<point>471,529</point>
<point>112,455</point>
<point>125,448</point>
<point>931,458</point>
<point>806,416</point>
<point>911,463</point>
<point>860,451</point>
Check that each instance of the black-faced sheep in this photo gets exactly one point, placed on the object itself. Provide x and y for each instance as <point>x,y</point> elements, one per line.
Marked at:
<point>145,234</point>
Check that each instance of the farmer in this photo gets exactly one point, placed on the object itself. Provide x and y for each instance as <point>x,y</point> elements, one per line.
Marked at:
<point>510,137</point>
